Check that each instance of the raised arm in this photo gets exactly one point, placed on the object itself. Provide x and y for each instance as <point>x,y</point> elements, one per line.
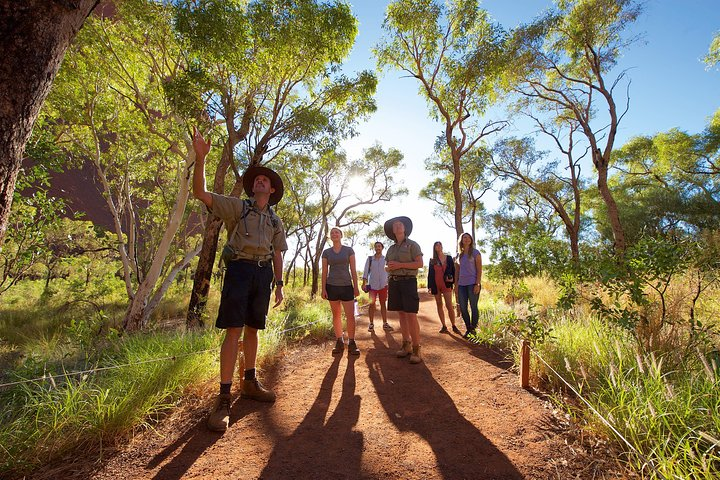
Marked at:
<point>201,147</point>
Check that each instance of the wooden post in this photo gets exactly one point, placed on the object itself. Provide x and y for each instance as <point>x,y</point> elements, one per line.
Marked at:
<point>525,364</point>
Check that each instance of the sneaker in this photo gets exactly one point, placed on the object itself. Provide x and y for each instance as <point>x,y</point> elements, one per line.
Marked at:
<point>415,355</point>
<point>405,350</point>
<point>444,330</point>
<point>254,390</point>
<point>387,327</point>
<point>371,327</point>
<point>220,414</point>
<point>353,348</point>
<point>456,329</point>
<point>339,347</point>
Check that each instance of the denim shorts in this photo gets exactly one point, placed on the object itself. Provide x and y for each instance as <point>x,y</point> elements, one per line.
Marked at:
<point>245,295</point>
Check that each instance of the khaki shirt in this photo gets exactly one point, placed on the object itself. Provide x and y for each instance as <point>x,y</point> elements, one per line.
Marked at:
<point>261,238</point>
<point>405,252</point>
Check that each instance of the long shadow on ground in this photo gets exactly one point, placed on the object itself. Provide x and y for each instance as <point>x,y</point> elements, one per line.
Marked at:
<point>415,402</point>
<point>328,449</point>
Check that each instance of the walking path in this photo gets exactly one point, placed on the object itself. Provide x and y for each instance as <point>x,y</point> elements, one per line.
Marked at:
<point>459,415</point>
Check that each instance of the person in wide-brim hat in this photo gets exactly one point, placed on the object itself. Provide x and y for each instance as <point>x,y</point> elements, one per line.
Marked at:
<point>389,226</point>
<point>275,181</point>
<point>402,261</point>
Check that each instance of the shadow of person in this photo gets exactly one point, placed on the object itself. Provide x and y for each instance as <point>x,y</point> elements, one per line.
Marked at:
<point>194,442</point>
<point>415,402</point>
<point>321,449</point>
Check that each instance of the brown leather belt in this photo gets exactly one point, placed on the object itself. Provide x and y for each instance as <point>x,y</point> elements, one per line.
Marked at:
<point>260,263</point>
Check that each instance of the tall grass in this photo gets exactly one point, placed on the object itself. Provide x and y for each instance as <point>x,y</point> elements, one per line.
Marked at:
<point>139,377</point>
<point>47,418</point>
<point>665,403</point>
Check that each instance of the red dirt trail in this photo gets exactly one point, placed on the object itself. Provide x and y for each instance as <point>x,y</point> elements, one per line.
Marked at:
<point>459,415</point>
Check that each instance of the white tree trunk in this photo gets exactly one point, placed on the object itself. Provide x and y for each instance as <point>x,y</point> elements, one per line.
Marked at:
<point>138,311</point>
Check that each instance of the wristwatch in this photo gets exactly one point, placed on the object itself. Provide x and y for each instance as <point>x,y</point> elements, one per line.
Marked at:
<point>279,283</point>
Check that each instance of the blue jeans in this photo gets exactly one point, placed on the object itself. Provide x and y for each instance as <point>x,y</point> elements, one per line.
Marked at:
<point>466,293</point>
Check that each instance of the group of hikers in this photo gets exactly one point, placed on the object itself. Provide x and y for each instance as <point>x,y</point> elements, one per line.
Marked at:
<point>253,254</point>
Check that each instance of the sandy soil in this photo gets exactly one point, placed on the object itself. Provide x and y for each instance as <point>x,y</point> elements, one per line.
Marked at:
<point>459,415</point>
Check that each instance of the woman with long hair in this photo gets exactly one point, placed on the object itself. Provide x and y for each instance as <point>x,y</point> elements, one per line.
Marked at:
<point>441,278</point>
<point>467,287</point>
<point>340,287</point>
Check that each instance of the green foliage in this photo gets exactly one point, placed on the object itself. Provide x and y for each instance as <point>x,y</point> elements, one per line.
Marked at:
<point>569,295</point>
<point>666,183</point>
<point>32,217</point>
<point>474,183</point>
<point>713,56</point>
<point>528,326</point>
<point>648,268</point>
<point>524,249</point>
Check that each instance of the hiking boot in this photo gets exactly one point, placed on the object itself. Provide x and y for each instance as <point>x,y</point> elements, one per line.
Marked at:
<point>339,347</point>
<point>353,348</point>
<point>444,330</point>
<point>220,414</point>
<point>415,355</point>
<point>405,350</point>
<point>456,329</point>
<point>254,390</point>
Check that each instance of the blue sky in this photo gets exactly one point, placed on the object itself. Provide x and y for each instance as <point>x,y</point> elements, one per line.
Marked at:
<point>670,88</point>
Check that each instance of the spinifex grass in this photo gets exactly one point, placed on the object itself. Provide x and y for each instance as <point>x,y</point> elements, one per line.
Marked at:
<point>45,419</point>
<point>49,417</point>
<point>665,404</point>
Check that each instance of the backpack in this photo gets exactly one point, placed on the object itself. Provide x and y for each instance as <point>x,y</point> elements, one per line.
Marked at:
<point>228,253</point>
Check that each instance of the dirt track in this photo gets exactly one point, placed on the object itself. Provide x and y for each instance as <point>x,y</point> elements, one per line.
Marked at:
<point>459,415</point>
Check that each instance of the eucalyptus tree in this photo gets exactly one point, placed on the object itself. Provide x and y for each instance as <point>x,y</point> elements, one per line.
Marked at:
<point>457,55</point>
<point>35,35</point>
<point>566,67</point>
<point>109,108</point>
<point>276,85</point>
<point>523,235</point>
<point>344,186</point>
<point>300,211</point>
<point>518,160</point>
<point>664,184</point>
<point>474,184</point>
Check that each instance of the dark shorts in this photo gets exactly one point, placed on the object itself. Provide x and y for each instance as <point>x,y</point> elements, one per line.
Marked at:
<point>344,293</point>
<point>403,295</point>
<point>245,295</point>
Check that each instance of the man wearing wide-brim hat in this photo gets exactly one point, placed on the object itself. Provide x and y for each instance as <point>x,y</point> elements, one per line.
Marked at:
<point>404,258</point>
<point>256,242</point>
